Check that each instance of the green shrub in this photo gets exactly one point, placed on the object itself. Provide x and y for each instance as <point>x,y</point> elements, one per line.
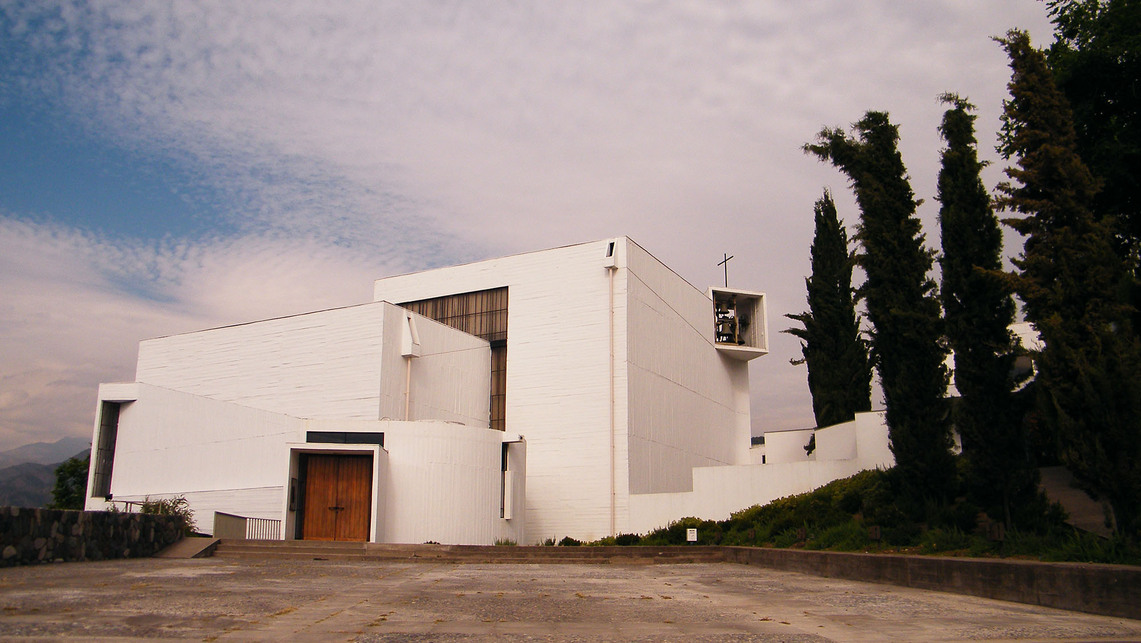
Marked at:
<point>567,541</point>
<point>787,538</point>
<point>626,540</point>
<point>886,516</point>
<point>902,535</point>
<point>708,533</point>
<point>505,542</point>
<point>176,506</point>
<point>850,536</point>
<point>850,502</point>
<point>935,541</point>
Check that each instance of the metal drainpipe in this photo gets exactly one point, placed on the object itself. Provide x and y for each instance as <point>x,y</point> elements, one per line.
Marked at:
<point>613,476</point>
<point>407,388</point>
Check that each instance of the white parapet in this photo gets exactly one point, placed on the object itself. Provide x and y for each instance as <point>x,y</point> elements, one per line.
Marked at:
<point>842,450</point>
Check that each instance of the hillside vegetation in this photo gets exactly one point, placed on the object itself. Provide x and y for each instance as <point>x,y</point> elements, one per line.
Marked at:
<point>864,513</point>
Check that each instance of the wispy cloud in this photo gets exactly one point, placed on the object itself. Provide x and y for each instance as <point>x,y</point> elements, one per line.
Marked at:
<point>75,306</point>
<point>352,139</point>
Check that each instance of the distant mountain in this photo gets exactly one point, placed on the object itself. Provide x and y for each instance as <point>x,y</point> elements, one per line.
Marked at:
<point>27,485</point>
<point>29,481</point>
<point>44,452</point>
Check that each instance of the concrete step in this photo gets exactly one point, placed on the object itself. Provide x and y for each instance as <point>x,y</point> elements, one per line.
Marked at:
<point>190,547</point>
<point>290,545</point>
<point>304,549</point>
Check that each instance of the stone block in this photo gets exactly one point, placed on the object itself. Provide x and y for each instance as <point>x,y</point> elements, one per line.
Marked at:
<point>31,535</point>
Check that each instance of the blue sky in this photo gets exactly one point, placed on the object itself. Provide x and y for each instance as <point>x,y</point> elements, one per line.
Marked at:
<point>171,166</point>
<point>51,168</point>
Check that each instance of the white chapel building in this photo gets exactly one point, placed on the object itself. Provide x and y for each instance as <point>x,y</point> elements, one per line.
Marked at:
<point>586,391</point>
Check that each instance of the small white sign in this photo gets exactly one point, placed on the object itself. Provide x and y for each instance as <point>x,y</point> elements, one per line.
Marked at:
<point>691,535</point>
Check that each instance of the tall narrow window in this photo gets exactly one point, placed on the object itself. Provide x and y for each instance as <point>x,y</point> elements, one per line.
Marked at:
<point>105,450</point>
<point>483,314</point>
<point>504,494</point>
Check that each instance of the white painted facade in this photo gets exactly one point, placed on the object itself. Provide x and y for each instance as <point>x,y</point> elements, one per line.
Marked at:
<point>627,406</point>
<point>345,363</point>
<point>221,417</point>
<point>613,376</point>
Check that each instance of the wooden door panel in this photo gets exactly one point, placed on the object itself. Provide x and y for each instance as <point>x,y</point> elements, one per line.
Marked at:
<point>320,522</point>
<point>354,495</point>
<point>338,497</point>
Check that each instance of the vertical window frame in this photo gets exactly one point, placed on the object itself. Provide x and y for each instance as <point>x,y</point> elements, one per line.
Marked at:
<point>104,457</point>
<point>482,313</point>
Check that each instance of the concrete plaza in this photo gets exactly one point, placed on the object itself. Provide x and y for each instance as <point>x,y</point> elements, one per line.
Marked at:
<point>220,599</point>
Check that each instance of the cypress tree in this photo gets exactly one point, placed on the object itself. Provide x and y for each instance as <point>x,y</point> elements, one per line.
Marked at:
<point>1096,63</point>
<point>977,311</point>
<point>1070,278</point>
<point>901,303</point>
<point>839,373</point>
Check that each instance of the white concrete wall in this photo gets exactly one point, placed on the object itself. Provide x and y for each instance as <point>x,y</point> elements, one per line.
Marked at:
<point>344,363</point>
<point>721,491</point>
<point>757,454</point>
<point>434,480</point>
<point>221,456</point>
<point>612,376</point>
<point>676,402</point>
<point>689,405</point>
<point>873,447</point>
<point>444,485</point>
<point>450,379</point>
<point>837,442</point>
<point>515,492</point>
<point>558,376</point>
<point>320,364</point>
<point>437,481</point>
<point>788,446</point>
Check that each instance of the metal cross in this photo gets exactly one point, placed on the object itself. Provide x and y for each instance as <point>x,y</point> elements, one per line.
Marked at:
<point>725,262</point>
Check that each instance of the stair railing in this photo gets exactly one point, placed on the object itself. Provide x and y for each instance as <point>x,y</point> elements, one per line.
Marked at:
<point>233,527</point>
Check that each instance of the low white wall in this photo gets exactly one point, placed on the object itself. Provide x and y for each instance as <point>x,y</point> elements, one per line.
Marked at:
<point>757,454</point>
<point>787,446</point>
<point>720,491</point>
<point>872,444</point>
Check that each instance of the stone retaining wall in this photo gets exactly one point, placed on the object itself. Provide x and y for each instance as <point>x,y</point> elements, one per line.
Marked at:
<point>1113,590</point>
<point>54,535</point>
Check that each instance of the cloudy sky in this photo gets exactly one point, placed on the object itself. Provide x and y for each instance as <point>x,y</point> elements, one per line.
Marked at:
<point>166,167</point>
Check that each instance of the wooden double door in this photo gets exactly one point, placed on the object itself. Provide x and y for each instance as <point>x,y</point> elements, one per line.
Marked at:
<point>338,495</point>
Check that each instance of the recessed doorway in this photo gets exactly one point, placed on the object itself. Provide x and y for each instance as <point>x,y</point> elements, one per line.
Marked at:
<point>337,496</point>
